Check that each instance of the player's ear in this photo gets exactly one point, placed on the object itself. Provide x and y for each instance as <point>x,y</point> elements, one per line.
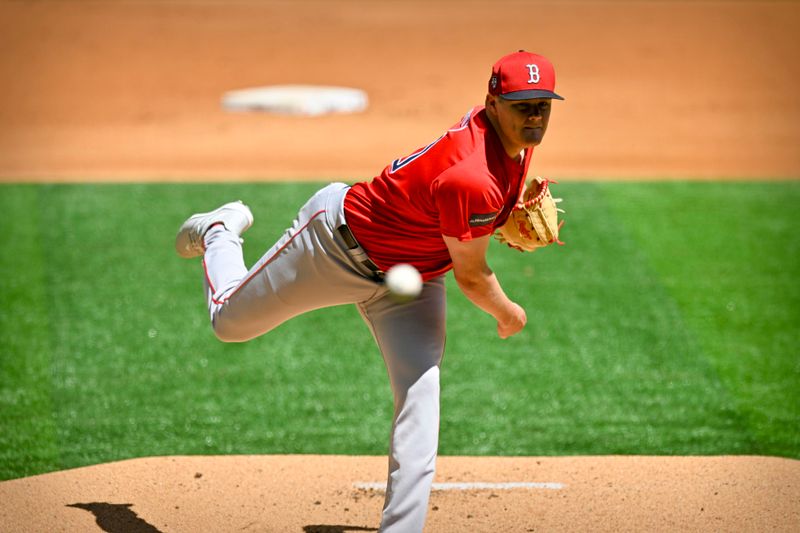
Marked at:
<point>491,103</point>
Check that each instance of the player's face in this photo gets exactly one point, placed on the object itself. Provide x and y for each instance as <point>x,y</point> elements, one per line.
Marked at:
<point>521,123</point>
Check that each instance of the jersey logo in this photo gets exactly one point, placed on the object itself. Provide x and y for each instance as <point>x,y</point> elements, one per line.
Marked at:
<point>533,72</point>
<point>483,219</point>
<point>397,164</point>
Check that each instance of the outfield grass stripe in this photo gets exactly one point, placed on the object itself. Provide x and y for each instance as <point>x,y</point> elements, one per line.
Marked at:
<point>730,256</point>
<point>626,350</point>
<point>28,437</point>
<point>605,364</point>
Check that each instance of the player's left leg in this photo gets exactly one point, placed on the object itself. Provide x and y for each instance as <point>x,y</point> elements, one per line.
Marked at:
<point>411,337</point>
<point>307,268</point>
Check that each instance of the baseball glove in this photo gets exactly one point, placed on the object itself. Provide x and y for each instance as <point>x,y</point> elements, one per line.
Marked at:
<point>533,222</point>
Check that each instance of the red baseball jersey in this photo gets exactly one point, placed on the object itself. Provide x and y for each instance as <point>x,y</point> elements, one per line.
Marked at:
<point>462,185</point>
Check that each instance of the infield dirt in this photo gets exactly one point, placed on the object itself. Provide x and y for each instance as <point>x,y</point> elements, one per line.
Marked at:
<point>319,494</point>
<point>131,91</point>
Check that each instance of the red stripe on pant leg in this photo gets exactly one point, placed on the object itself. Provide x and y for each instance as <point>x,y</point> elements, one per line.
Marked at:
<point>267,262</point>
<point>210,285</point>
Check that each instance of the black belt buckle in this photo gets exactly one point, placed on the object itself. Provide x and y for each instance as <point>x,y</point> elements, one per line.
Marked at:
<point>348,237</point>
<point>358,254</point>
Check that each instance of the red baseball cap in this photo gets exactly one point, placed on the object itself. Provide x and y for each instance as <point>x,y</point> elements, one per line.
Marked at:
<point>523,75</point>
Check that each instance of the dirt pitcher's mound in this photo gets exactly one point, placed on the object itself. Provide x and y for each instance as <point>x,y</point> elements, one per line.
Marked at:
<point>338,494</point>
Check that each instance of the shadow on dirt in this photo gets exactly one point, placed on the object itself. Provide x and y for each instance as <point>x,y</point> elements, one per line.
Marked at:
<point>116,517</point>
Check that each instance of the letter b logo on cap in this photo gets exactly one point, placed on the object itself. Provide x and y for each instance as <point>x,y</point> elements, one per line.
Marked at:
<point>533,72</point>
<point>521,76</point>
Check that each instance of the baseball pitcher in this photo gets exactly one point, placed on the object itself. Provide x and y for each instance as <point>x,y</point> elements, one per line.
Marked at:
<point>435,209</point>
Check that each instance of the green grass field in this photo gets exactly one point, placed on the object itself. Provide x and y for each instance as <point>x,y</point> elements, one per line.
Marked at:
<point>668,324</point>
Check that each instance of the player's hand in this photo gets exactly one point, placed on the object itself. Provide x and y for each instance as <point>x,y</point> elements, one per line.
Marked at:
<point>513,323</point>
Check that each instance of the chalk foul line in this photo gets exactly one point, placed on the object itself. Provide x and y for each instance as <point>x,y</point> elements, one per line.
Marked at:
<point>474,485</point>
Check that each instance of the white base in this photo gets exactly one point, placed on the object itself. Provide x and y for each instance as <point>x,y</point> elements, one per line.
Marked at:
<point>309,100</point>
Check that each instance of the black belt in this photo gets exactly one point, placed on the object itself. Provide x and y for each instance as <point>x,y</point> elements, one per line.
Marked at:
<point>358,254</point>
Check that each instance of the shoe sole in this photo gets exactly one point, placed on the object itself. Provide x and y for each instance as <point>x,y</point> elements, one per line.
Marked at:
<point>187,248</point>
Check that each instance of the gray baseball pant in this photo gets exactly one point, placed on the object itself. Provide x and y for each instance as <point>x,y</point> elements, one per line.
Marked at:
<point>310,268</point>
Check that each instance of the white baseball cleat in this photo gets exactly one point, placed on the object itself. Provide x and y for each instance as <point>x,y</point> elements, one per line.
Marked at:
<point>235,216</point>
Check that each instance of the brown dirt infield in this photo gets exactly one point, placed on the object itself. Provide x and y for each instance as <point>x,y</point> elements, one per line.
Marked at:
<point>130,91</point>
<point>317,494</point>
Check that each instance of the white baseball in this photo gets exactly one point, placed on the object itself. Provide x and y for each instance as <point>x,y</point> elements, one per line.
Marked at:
<point>404,282</point>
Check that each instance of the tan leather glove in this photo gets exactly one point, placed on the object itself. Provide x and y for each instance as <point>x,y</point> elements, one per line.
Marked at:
<point>532,223</point>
